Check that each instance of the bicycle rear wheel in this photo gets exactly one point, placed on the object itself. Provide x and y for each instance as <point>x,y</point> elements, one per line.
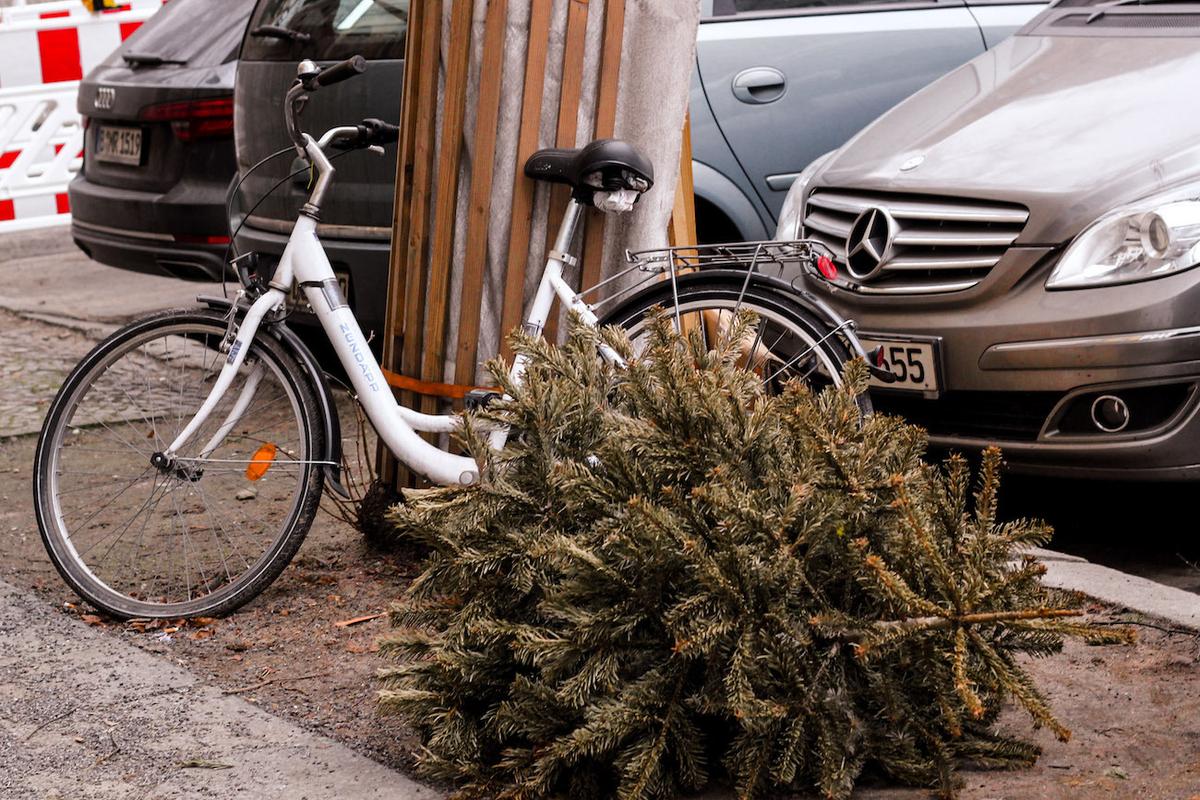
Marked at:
<point>791,342</point>
<point>208,532</point>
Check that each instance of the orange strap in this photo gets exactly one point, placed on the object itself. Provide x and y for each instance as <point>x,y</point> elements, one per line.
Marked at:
<point>451,391</point>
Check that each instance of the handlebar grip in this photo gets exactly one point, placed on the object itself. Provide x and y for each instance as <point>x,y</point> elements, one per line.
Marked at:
<point>355,65</point>
<point>380,132</point>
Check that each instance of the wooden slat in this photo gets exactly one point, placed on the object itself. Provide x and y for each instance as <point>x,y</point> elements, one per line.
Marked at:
<point>606,116</point>
<point>479,206</point>
<point>681,230</point>
<point>400,264</point>
<point>425,125</point>
<point>437,300</point>
<point>523,188</point>
<point>401,206</point>
<point>571,88</point>
<point>683,215</point>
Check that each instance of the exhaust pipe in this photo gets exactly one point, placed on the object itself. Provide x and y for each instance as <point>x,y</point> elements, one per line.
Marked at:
<point>1110,413</point>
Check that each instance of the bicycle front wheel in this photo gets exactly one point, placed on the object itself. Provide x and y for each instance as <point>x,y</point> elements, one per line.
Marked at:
<point>206,533</point>
<point>791,343</point>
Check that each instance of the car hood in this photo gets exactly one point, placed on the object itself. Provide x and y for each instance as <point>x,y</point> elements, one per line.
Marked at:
<point>1068,126</point>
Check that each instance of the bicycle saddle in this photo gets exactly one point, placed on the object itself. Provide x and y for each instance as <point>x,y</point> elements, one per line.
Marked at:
<point>605,165</point>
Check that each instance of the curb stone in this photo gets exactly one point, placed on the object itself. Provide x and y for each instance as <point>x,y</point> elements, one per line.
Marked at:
<point>1113,586</point>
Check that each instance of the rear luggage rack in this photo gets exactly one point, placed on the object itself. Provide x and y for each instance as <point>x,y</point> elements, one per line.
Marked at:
<point>782,260</point>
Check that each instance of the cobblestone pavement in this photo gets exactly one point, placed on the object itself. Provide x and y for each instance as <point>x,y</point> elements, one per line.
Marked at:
<point>35,358</point>
<point>55,304</point>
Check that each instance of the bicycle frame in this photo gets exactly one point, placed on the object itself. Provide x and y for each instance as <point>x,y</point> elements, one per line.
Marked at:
<point>304,261</point>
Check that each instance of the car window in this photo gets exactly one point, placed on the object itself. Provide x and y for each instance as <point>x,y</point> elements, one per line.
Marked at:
<point>200,33</point>
<point>336,29</point>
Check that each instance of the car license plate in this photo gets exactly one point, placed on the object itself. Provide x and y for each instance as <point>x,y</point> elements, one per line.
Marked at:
<point>914,362</point>
<point>300,300</point>
<point>119,145</point>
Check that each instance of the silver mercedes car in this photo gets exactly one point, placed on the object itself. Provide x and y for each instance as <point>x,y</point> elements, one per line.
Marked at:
<point>1021,236</point>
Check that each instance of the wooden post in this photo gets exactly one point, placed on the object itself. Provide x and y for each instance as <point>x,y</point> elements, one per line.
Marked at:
<point>437,300</point>
<point>606,118</point>
<point>410,209</point>
<point>570,90</point>
<point>427,187</point>
<point>409,257</point>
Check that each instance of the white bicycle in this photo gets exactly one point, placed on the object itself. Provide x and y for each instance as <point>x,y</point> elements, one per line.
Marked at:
<point>181,463</point>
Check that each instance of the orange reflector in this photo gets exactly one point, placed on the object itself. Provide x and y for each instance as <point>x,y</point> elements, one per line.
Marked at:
<point>260,462</point>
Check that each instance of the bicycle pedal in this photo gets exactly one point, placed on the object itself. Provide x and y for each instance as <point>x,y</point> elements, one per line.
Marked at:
<point>480,398</point>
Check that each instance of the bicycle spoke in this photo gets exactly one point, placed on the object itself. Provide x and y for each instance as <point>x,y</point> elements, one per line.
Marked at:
<point>140,508</point>
<point>114,499</point>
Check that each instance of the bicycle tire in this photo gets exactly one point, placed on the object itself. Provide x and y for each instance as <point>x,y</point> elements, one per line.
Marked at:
<point>280,364</point>
<point>698,291</point>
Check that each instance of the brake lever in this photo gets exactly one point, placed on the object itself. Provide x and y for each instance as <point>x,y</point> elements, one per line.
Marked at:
<point>376,149</point>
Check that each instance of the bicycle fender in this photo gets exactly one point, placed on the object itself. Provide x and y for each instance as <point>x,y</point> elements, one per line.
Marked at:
<point>316,378</point>
<point>811,303</point>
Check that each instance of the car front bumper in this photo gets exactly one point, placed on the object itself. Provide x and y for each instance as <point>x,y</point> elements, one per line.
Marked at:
<point>1021,367</point>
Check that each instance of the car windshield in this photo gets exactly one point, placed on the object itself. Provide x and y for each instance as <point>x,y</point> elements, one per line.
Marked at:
<point>198,33</point>
<point>327,29</point>
<point>1123,18</point>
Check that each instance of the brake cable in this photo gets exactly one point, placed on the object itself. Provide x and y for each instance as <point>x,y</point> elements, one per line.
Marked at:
<point>230,247</point>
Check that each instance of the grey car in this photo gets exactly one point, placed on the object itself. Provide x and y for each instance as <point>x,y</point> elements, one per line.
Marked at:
<point>779,82</point>
<point>1020,236</point>
<point>356,223</point>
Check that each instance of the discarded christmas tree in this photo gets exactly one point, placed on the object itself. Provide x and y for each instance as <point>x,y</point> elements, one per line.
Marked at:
<point>669,578</point>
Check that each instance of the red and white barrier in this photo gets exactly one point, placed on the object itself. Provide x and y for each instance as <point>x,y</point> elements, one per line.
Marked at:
<point>45,49</point>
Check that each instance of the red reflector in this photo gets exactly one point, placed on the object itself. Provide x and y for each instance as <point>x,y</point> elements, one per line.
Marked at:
<point>827,268</point>
<point>194,119</point>
<point>184,238</point>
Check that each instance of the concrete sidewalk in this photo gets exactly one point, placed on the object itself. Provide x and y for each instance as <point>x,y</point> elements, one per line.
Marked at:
<point>43,275</point>
<point>87,716</point>
<point>1121,589</point>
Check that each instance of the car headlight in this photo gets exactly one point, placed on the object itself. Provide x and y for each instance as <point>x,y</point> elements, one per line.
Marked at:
<point>791,216</point>
<point>1149,239</point>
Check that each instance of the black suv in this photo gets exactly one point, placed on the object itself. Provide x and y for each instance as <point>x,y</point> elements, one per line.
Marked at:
<point>356,220</point>
<point>158,146</point>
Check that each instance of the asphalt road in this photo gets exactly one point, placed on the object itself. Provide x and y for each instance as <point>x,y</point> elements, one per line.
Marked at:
<point>87,715</point>
<point>43,275</point>
<point>1144,529</point>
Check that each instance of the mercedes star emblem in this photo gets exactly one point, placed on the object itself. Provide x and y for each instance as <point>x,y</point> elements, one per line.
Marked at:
<point>869,245</point>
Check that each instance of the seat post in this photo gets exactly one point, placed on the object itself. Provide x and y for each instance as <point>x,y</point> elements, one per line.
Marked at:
<point>556,259</point>
<point>566,232</point>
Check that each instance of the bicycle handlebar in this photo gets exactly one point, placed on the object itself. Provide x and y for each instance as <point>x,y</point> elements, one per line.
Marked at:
<point>343,70</point>
<point>373,132</point>
<point>369,133</point>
